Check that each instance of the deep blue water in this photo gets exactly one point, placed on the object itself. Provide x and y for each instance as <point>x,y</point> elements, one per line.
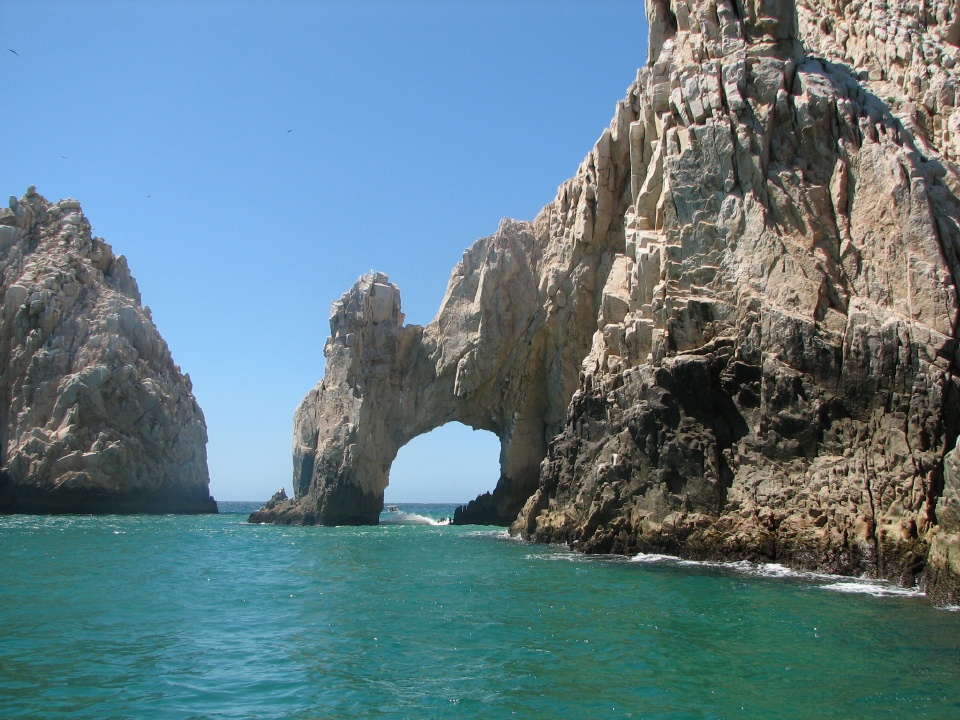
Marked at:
<point>210,617</point>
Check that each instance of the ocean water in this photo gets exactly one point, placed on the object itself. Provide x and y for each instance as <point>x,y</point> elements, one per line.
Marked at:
<point>211,617</point>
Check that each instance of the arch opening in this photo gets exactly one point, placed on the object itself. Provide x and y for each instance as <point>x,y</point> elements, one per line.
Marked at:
<point>451,464</point>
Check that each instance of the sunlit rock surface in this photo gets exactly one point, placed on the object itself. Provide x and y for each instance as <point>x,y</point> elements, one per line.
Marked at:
<point>94,416</point>
<point>732,334</point>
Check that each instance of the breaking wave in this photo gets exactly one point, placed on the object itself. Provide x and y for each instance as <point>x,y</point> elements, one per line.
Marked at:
<point>877,588</point>
<point>409,518</point>
<point>835,583</point>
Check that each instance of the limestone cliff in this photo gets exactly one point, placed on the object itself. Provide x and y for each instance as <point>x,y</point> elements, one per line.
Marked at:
<point>94,416</point>
<point>733,333</point>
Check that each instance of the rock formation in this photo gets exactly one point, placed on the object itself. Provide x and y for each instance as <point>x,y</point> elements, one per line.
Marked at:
<point>734,332</point>
<point>94,416</point>
<point>501,355</point>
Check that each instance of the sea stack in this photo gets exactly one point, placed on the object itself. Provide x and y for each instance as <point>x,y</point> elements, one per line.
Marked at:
<point>95,416</point>
<point>734,332</point>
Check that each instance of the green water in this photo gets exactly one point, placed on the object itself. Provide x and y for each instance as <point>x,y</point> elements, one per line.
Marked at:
<point>209,617</point>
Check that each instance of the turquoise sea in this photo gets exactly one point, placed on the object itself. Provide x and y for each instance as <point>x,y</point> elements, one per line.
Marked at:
<point>210,617</point>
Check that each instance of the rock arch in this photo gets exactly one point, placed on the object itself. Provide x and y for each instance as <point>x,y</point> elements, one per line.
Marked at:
<point>503,354</point>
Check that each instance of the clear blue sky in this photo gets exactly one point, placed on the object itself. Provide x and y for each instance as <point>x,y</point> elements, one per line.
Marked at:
<point>252,159</point>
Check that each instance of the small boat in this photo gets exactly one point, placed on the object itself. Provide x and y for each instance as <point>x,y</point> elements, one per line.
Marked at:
<point>392,508</point>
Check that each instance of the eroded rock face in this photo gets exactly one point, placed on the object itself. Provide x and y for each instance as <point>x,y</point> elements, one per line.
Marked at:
<point>793,390</point>
<point>733,333</point>
<point>95,417</point>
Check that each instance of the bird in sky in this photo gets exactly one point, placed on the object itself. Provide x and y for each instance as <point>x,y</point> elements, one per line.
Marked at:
<point>14,52</point>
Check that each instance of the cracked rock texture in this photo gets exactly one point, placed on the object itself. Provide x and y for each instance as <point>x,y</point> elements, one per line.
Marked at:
<point>732,334</point>
<point>94,417</point>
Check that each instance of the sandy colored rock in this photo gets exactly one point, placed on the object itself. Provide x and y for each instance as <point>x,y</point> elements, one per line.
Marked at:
<point>95,417</point>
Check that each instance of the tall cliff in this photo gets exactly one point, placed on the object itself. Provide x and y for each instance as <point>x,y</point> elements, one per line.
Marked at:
<point>733,333</point>
<point>95,417</point>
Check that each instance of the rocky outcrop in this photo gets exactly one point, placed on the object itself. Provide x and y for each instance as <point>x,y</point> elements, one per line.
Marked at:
<point>732,335</point>
<point>793,283</point>
<point>94,416</point>
<point>942,572</point>
<point>278,500</point>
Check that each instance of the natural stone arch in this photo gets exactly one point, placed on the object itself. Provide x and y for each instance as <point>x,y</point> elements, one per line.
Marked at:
<point>481,362</point>
<point>387,384</point>
<point>503,354</point>
<point>522,310</point>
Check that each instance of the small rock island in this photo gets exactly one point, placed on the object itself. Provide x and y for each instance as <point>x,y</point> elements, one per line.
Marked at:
<point>95,417</point>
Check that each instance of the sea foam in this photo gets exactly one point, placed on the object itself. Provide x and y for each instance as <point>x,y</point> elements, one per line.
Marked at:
<point>836,583</point>
<point>405,518</point>
<point>877,588</point>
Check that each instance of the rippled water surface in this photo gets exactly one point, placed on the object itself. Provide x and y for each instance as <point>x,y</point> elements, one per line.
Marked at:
<point>209,617</point>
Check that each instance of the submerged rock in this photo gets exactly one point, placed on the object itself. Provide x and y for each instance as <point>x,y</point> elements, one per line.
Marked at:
<point>734,332</point>
<point>95,417</point>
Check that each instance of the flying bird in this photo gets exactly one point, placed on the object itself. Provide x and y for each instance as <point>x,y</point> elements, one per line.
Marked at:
<point>290,130</point>
<point>14,52</point>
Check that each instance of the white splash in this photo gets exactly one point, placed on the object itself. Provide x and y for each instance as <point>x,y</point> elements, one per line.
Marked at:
<point>876,588</point>
<point>405,518</point>
<point>653,558</point>
<point>836,583</point>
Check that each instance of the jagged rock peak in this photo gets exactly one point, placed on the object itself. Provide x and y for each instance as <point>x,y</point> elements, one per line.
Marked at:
<point>95,417</point>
